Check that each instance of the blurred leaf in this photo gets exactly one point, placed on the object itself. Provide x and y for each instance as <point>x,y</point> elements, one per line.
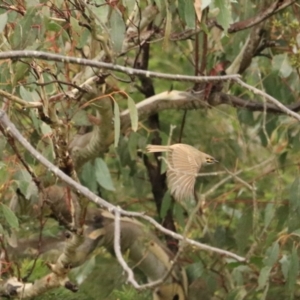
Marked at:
<point>25,94</point>
<point>83,271</point>
<point>168,26</point>
<point>179,214</point>
<point>238,293</point>
<point>244,230</point>
<point>224,16</point>
<point>263,278</point>
<point>195,271</point>
<point>269,214</point>
<point>272,255</point>
<point>81,118</point>
<point>294,207</point>
<point>10,217</point>
<point>284,266</point>
<point>88,178</point>
<point>246,116</point>
<point>3,21</point>
<point>189,13</point>
<point>117,124</point>
<point>84,37</point>
<point>133,145</point>
<point>134,117</point>
<point>117,30</point>
<point>103,175</point>
<point>281,64</point>
<point>293,271</point>
<point>165,205</point>
<point>20,38</point>
<point>129,4</point>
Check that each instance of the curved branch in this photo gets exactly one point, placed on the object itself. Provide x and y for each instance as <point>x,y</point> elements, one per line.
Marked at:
<point>260,17</point>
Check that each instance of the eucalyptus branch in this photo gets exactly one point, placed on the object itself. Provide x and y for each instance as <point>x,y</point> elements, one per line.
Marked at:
<point>269,98</point>
<point>97,64</point>
<point>272,9</point>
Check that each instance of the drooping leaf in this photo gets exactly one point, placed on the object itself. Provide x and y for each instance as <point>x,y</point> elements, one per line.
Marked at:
<point>166,204</point>
<point>293,270</point>
<point>117,30</point>
<point>294,207</point>
<point>244,230</point>
<point>133,113</point>
<point>10,216</point>
<point>269,214</point>
<point>224,16</point>
<point>281,64</point>
<point>3,21</point>
<point>103,175</point>
<point>272,255</point>
<point>263,277</point>
<point>189,13</point>
<point>117,123</point>
<point>88,178</point>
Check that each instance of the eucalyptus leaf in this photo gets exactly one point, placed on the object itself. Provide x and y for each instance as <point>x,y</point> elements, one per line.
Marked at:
<point>117,123</point>
<point>10,216</point>
<point>118,29</point>
<point>263,278</point>
<point>103,175</point>
<point>224,16</point>
<point>133,113</point>
<point>3,21</point>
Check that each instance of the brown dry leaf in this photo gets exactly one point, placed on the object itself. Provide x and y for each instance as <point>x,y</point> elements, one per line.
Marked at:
<point>198,10</point>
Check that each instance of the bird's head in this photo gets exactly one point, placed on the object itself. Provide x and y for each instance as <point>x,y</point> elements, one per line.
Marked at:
<point>208,160</point>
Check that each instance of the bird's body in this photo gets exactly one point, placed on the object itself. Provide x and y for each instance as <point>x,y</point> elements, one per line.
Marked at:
<point>184,163</point>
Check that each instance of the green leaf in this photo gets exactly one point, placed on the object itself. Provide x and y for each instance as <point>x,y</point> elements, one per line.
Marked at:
<point>133,112</point>
<point>189,13</point>
<point>117,123</point>
<point>272,255</point>
<point>284,266</point>
<point>195,270</point>
<point>87,177</point>
<point>133,144</point>
<point>224,16</point>
<point>281,64</point>
<point>293,271</point>
<point>10,216</point>
<point>118,29</point>
<point>3,21</point>
<point>294,207</point>
<point>263,278</point>
<point>81,118</point>
<point>25,95</point>
<point>166,204</point>
<point>20,38</point>
<point>269,214</point>
<point>103,175</point>
<point>244,230</point>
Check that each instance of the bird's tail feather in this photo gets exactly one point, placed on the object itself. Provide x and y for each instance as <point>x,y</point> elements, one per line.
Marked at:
<point>157,148</point>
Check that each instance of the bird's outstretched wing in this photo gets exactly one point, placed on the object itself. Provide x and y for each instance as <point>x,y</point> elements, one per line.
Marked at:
<point>182,172</point>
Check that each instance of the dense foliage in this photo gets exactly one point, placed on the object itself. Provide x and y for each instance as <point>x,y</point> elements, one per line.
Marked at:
<point>94,122</point>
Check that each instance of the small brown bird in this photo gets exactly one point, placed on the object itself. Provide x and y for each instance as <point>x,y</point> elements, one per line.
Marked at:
<point>184,163</point>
